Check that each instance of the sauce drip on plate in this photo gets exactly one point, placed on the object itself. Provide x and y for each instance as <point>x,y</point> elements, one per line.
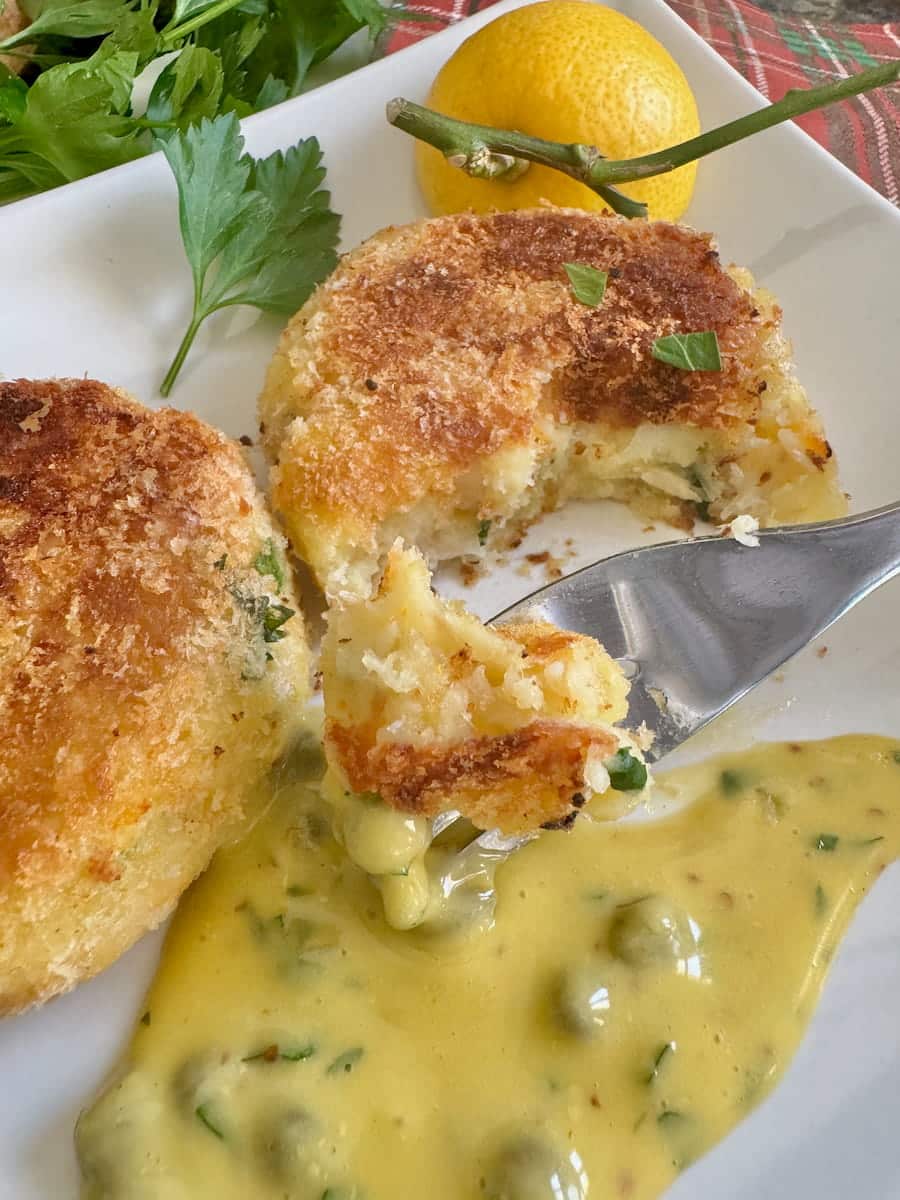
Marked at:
<point>640,987</point>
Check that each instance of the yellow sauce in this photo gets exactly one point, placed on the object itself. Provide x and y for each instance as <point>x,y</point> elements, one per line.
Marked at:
<point>641,986</point>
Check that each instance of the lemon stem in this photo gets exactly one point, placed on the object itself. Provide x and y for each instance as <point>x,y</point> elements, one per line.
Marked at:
<point>489,153</point>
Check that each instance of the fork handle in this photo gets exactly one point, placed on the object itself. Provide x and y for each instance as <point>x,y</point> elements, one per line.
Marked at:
<point>858,554</point>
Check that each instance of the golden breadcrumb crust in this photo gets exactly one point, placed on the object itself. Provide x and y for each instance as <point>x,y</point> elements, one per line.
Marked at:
<point>432,711</point>
<point>138,709</point>
<point>531,777</point>
<point>446,372</point>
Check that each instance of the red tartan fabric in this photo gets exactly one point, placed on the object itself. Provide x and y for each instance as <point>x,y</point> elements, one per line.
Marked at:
<point>775,54</point>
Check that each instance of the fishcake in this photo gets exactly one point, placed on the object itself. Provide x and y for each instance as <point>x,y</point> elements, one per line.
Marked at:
<point>446,381</point>
<point>153,665</point>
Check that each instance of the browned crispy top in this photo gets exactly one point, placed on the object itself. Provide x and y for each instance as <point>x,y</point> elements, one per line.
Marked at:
<point>437,343</point>
<point>514,782</point>
<point>112,612</point>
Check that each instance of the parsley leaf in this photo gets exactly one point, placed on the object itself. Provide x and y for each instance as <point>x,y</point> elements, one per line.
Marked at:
<point>73,123</point>
<point>267,617</point>
<point>135,31</point>
<point>13,94</point>
<point>368,12</point>
<point>70,18</point>
<point>233,39</point>
<point>588,283</point>
<point>267,562</point>
<point>255,232</point>
<point>273,91</point>
<point>273,618</point>
<point>296,37</point>
<point>212,182</point>
<point>236,56</point>
<point>188,88</point>
<point>689,351</point>
<point>185,9</point>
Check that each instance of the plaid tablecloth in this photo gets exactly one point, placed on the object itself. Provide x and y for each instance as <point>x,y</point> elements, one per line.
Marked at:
<point>775,54</point>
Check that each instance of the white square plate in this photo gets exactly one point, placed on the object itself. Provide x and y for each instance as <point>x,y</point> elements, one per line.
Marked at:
<point>96,283</point>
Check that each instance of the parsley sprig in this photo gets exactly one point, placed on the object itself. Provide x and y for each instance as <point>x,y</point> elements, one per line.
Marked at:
<point>257,232</point>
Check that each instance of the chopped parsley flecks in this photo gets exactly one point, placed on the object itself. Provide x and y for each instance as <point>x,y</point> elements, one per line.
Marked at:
<point>268,616</point>
<point>344,1063</point>
<point>268,562</point>
<point>277,1052</point>
<point>826,842</point>
<point>732,782</point>
<point>274,616</point>
<point>661,1055</point>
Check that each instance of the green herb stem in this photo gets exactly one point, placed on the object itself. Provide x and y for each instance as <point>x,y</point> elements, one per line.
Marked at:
<point>181,354</point>
<point>488,153</point>
<point>171,35</point>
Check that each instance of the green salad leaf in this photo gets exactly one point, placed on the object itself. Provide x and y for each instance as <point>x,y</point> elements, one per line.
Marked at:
<point>188,89</point>
<point>73,122</point>
<point>368,12</point>
<point>13,98</point>
<point>184,10</point>
<point>259,233</point>
<point>70,18</point>
<point>71,114</point>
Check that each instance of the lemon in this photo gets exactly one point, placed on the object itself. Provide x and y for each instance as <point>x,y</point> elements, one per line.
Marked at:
<point>568,71</point>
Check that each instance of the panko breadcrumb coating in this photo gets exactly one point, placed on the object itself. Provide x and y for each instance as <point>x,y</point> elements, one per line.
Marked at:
<point>446,376</point>
<point>431,711</point>
<point>153,666</point>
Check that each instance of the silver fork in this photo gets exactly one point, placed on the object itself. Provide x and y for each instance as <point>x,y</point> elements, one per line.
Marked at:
<point>697,624</point>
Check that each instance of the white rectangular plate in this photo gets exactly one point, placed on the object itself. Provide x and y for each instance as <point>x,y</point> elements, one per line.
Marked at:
<point>95,283</point>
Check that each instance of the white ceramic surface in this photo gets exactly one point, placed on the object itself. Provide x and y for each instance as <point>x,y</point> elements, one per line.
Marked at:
<point>95,283</point>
